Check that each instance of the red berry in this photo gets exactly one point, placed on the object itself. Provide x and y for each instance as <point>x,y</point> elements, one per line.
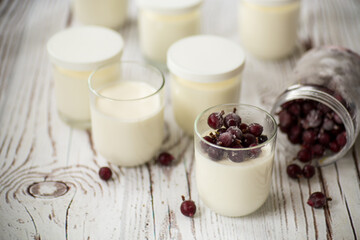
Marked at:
<point>318,200</point>
<point>308,171</point>
<point>256,129</point>
<point>341,139</point>
<point>105,173</point>
<point>293,170</point>
<point>165,159</point>
<point>304,155</point>
<point>334,147</point>
<point>188,207</point>
<point>216,120</point>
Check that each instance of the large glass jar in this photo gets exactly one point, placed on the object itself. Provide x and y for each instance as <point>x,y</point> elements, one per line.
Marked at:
<point>331,76</point>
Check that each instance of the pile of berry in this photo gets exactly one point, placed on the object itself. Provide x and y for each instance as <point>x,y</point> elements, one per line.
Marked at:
<point>230,132</point>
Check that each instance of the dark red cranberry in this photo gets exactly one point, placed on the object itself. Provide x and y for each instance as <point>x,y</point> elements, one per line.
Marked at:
<point>323,108</point>
<point>225,139</point>
<point>293,170</point>
<point>215,153</point>
<point>307,107</point>
<point>236,144</point>
<point>295,109</point>
<point>309,136</point>
<point>188,207</point>
<point>235,131</point>
<point>254,152</point>
<point>165,159</point>
<point>248,139</point>
<point>262,139</point>
<point>317,150</point>
<point>334,147</point>
<point>308,171</point>
<point>236,156</point>
<point>295,133</point>
<point>318,200</point>
<point>232,119</point>
<point>285,119</point>
<point>337,119</point>
<point>244,127</point>
<point>216,120</point>
<point>205,144</point>
<point>255,129</point>
<point>324,138</point>
<point>220,131</point>
<point>105,173</point>
<point>304,155</point>
<point>341,139</point>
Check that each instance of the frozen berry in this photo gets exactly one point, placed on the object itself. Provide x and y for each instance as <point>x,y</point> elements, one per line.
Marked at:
<point>165,159</point>
<point>304,155</point>
<point>334,147</point>
<point>308,171</point>
<point>341,139</point>
<point>105,173</point>
<point>236,156</point>
<point>255,129</point>
<point>313,119</point>
<point>235,131</point>
<point>232,119</point>
<point>225,139</point>
<point>215,153</point>
<point>248,139</point>
<point>293,170</point>
<point>188,207</point>
<point>328,124</point>
<point>216,120</point>
<point>244,127</point>
<point>324,138</point>
<point>295,133</point>
<point>317,150</point>
<point>318,200</point>
<point>262,139</point>
<point>285,119</point>
<point>295,109</point>
<point>254,152</point>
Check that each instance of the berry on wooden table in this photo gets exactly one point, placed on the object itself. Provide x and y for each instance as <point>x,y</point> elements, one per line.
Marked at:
<point>188,207</point>
<point>165,159</point>
<point>105,173</point>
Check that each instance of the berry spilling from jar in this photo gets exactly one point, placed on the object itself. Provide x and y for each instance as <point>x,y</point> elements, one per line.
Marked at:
<point>313,125</point>
<point>230,132</point>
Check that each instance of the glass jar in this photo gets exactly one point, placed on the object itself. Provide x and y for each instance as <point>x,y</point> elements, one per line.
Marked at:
<point>127,112</point>
<point>329,75</point>
<point>234,181</point>
<point>74,54</point>
<point>106,13</point>
<point>205,71</point>
<point>268,29</point>
<point>161,23</point>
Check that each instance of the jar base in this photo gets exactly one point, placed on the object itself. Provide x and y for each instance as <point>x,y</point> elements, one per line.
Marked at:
<point>79,124</point>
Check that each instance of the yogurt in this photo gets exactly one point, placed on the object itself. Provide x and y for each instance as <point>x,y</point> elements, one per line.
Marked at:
<point>268,29</point>
<point>127,133</point>
<point>234,189</point>
<point>107,13</point>
<point>163,22</point>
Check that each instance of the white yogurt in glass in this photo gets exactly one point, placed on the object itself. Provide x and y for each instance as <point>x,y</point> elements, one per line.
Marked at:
<point>235,188</point>
<point>106,13</point>
<point>75,53</point>
<point>268,28</point>
<point>127,114</point>
<point>205,71</point>
<point>163,22</point>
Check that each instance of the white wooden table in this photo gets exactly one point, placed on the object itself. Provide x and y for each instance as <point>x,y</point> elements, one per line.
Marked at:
<point>143,202</point>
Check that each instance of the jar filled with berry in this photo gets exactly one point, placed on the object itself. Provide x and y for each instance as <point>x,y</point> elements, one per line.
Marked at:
<point>321,109</point>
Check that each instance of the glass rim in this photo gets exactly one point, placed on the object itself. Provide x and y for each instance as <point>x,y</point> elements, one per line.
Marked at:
<point>270,139</point>
<point>145,65</point>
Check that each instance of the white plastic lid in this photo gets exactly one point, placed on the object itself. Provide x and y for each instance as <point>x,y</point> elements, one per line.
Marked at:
<point>169,6</point>
<point>271,2</point>
<point>85,48</point>
<point>205,58</point>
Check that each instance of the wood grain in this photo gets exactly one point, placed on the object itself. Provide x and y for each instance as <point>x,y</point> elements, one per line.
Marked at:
<point>143,202</point>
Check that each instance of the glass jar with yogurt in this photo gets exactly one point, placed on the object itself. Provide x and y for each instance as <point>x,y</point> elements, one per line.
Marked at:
<point>106,13</point>
<point>163,22</point>
<point>234,181</point>
<point>205,71</point>
<point>268,28</point>
<point>127,112</point>
<point>75,53</point>
<point>328,76</point>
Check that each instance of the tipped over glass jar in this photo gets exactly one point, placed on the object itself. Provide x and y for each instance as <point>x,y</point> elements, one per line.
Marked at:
<point>321,108</point>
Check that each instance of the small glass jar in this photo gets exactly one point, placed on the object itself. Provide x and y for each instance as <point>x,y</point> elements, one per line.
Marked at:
<point>161,23</point>
<point>205,71</point>
<point>234,181</point>
<point>268,29</point>
<point>330,76</point>
<point>106,13</point>
<point>74,54</point>
<point>127,112</point>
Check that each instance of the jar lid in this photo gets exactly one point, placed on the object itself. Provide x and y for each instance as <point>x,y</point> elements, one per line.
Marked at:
<point>85,48</point>
<point>169,6</point>
<point>205,58</point>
